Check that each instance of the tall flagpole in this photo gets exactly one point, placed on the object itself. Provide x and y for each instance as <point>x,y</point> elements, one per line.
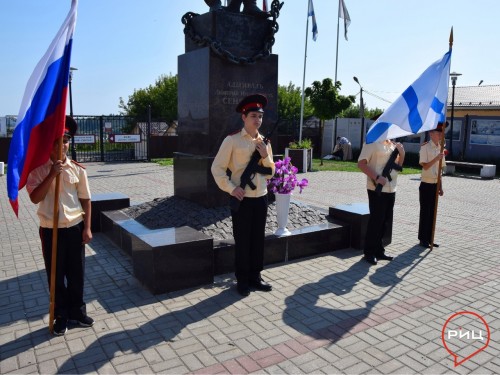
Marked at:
<point>336,66</point>
<point>337,53</point>
<point>304,76</point>
<point>55,227</point>
<point>440,167</point>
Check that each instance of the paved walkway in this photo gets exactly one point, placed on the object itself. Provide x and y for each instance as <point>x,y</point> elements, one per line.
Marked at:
<point>329,314</point>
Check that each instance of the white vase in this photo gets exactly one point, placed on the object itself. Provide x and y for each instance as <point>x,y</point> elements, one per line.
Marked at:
<point>282,208</point>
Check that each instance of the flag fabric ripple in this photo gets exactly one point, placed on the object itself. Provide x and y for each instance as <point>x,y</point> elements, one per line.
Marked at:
<point>314,25</point>
<point>344,14</point>
<point>419,108</point>
<point>43,109</point>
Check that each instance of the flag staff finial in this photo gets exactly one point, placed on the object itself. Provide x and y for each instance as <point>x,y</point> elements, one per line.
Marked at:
<point>451,37</point>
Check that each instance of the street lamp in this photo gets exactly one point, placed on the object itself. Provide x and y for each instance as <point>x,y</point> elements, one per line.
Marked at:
<point>73,149</point>
<point>361,111</point>
<point>454,76</point>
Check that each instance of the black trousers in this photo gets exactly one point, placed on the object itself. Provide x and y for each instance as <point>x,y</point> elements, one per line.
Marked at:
<point>427,198</point>
<point>381,214</point>
<point>70,269</point>
<point>249,228</point>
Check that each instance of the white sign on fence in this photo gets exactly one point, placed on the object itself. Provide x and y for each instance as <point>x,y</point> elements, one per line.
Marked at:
<point>85,139</point>
<point>124,138</point>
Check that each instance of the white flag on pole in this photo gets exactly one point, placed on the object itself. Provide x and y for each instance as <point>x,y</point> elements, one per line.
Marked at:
<point>344,14</point>
<point>419,108</point>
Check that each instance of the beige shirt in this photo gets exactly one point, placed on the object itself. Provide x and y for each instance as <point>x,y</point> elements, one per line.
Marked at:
<point>428,151</point>
<point>234,154</point>
<point>376,155</point>
<point>73,186</point>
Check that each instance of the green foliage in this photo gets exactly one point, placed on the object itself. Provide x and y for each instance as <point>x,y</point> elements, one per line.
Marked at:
<point>325,99</point>
<point>162,96</point>
<point>354,112</point>
<point>164,162</point>
<point>304,143</point>
<point>290,101</point>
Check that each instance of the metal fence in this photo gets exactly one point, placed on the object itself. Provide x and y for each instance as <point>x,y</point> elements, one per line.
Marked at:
<point>109,138</point>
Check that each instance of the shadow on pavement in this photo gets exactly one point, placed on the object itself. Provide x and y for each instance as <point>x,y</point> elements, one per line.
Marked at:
<point>308,313</point>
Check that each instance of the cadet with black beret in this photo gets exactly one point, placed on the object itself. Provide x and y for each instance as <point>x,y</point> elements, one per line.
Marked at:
<point>249,221</point>
<point>429,156</point>
<point>73,228</point>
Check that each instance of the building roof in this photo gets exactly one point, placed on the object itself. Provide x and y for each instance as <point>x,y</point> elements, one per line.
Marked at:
<point>475,96</point>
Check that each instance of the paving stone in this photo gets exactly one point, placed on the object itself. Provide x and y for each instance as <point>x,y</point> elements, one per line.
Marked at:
<point>381,319</point>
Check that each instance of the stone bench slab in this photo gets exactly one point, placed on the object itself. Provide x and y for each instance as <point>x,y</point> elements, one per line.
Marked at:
<point>486,170</point>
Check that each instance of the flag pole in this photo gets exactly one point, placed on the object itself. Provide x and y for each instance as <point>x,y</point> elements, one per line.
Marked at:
<point>441,141</point>
<point>337,48</point>
<point>336,66</point>
<point>53,261</point>
<point>304,76</point>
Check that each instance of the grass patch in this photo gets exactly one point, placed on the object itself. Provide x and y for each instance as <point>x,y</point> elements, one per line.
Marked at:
<point>328,165</point>
<point>164,162</point>
<point>349,166</point>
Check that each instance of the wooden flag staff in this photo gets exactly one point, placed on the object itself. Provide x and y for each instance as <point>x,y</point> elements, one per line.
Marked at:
<point>55,226</point>
<point>441,142</point>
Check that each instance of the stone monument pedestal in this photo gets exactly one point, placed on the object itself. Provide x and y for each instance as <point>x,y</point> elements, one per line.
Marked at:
<point>209,88</point>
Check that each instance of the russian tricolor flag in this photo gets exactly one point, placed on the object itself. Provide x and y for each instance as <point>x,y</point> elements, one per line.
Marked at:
<point>43,110</point>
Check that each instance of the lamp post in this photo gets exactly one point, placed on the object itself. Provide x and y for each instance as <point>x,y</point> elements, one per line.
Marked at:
<point>361,112</point>
<point>73,149</point>
<point>454,76</point>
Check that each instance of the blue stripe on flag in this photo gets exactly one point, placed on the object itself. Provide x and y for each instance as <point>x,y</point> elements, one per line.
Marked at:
<point>414,119</point>
<point>377,131</point>
<point>437,106</point>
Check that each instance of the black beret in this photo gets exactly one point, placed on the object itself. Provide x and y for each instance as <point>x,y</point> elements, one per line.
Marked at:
<point>252,103</point>
<point>70,127</point>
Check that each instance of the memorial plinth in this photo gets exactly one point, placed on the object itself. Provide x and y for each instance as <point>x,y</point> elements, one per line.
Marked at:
<point>357,216</point>
<point>209,88</point>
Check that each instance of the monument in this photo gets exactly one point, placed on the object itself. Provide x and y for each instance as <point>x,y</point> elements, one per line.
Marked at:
<point>227,57</point>
<point>187,239</point>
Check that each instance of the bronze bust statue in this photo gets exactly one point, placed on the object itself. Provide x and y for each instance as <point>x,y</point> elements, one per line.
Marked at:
<point>249,7</point>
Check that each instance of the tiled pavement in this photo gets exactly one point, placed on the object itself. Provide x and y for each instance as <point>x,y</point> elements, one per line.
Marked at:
<point>329,314</point>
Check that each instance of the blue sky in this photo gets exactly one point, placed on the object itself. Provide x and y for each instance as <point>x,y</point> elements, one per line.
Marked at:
<point>122,45</point>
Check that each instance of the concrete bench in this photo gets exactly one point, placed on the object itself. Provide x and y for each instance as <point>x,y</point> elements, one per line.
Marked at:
<point>166,259</point>
<point>106,202</point>
<point>357,216</point>
<point>485,170</point>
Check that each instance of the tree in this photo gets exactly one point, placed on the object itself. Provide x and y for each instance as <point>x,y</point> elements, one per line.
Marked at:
<point>162,96</point>
<point>327,103</point>
<point>354,112</point>
<point>290,102</point>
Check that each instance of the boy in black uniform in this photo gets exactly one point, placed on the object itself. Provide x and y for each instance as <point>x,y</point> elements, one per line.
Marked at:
<point>430,154</point>
<point>249,221</point>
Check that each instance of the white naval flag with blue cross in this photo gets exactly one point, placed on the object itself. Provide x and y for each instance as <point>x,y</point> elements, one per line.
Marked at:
<point>419,108</point>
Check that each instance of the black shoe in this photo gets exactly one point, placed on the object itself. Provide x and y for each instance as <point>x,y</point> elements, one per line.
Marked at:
<point>60,327</point>
<point>370,260</point>
<point>243,290</point>
<point>260,284</point>
<point>83,321</point>
<point>426,244</point>
<point>384,257</point>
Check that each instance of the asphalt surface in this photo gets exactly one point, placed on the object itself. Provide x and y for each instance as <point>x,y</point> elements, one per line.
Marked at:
<point>329,314</point>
